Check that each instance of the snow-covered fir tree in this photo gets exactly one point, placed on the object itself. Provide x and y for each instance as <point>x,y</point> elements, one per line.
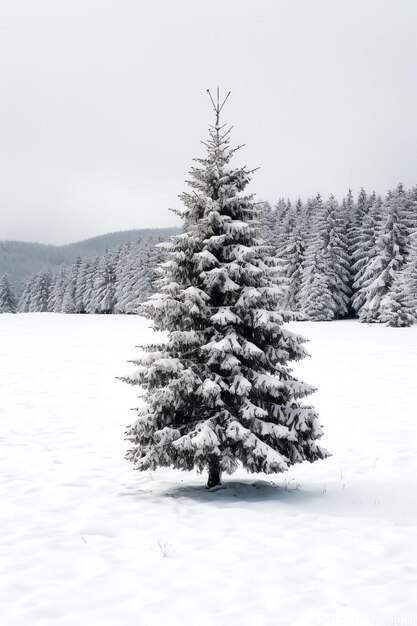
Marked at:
<point>24,298</point>
<point>220,391</point>
<point>282,224</point>
<point>7,297</point>
<point>103,300</point>
<point>294,256</point>
<point>361,208</point>
<point>69,302</point>
<point>390,256</point>
<point>80,293</point>
<point>91,273</point>
<point>316,300</point>
<point>268,220</point>
<point>336,255</point>
<point>39,290</point>
<point>412,207</point>
<point>349,211</point>
<point>365,249</point>
<point>57,291</point>
<point>309,213</point>
<point>395,307</point>
<point>124,272</point>
<point>410,276</point>
<point>327,252</point>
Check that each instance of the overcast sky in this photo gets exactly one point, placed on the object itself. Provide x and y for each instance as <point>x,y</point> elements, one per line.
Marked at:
<point>103,103</point>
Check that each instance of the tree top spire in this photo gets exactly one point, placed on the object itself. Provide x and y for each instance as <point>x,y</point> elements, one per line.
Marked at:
<point>217,107</point>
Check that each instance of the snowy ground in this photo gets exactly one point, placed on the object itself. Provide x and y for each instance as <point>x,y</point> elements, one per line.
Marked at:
<point>86,541</point>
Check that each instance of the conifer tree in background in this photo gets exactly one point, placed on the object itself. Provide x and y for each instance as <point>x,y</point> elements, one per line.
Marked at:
<point>124,272</point>
<point>103,300</point>
<point>69,302</point>
<point>316,301</point>
<point>220,390</point>
<point>39,292</point>
<point>91,273</point>
<point>394,308</point>
<point>80,299</point>
<point>7,298</point>
<point>282,225</point>
<point>268,220</point>
<point>410,276</point>
<point>57,291</point>
<point>412,207</point>
<point>349,209</point>
<point>308,215</point>
<point>326,254</point>
<point>336,255</point>
<point>294,256</point>
<point>390,256</point>
<point>361,209</point>
<point>313,262</point>
<point>365,250</point>
<point>24,298</point>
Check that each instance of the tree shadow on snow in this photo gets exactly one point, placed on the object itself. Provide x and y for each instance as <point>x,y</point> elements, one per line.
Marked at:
<point>358,501</point>
<point>246,491</point>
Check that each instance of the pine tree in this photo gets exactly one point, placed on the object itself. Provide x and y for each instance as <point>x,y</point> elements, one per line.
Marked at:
<point>366,250</point>
<point>394,309</point>
<point>268,219</point>
<point>124,272</point>
<point>69,304</point>
<point>39,292</point>
<point>412,204</point>
<point>57,292</point>
<point>103,299</point>
<point>90,279</point>
<point>281,210</point>
<point>410,276</point>
<point>80,301</point>
<point>220,390</point>
<point>24,299</point>
<point>348,213</point>
<point>294,256</point>
<point>316,300</point>
<point>327,253</point>
<point>309,214</point>
<point>7,298</point>
<point>391,255</point>
<point>361,209</point>
<point>336,256</point>
<point>349,210</point>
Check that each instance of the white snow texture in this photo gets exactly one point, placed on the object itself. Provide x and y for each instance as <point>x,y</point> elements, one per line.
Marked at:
<point>86,541</point>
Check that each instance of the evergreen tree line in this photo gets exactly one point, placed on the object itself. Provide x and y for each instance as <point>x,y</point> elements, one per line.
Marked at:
<point>117,281</point>
<point>354,258</point>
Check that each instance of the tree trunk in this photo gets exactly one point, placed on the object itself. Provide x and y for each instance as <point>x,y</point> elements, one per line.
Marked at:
<point>214,476</point>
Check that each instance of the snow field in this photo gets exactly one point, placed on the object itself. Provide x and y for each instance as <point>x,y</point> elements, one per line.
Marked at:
<point>86,540</point>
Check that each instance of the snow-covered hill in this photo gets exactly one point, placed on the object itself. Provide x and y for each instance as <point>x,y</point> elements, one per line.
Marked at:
<point>85,540</point>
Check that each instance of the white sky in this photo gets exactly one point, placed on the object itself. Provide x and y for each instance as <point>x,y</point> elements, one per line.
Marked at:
<point>103,103</point>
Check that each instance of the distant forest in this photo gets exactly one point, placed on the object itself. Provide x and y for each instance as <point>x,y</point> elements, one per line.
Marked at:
<point>19,259</point>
